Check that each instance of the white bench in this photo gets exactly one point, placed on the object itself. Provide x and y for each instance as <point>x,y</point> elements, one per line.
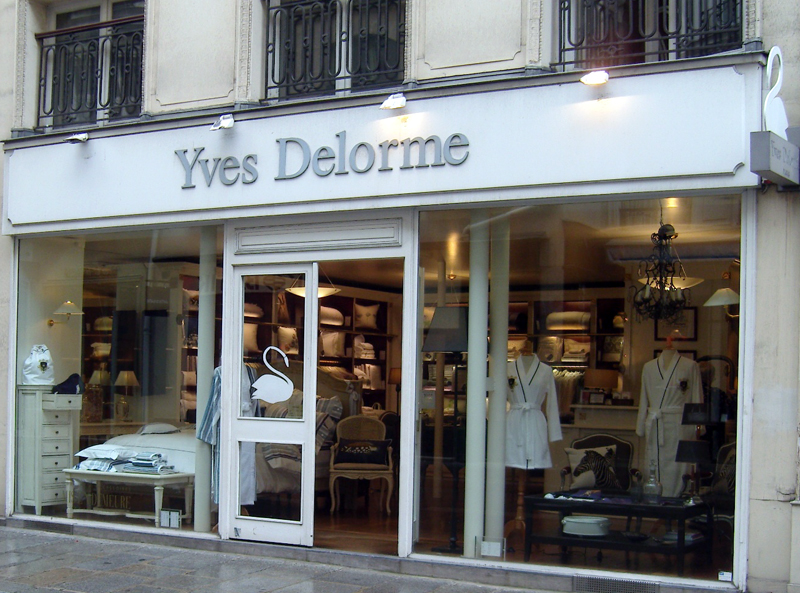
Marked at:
<point>157,481</point>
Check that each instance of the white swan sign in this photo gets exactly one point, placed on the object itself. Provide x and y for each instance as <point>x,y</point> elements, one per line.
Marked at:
<point>772,155</point>
<point>274,388</point>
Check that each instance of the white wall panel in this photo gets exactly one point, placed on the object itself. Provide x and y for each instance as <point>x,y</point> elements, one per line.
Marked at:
<point>673,131</point>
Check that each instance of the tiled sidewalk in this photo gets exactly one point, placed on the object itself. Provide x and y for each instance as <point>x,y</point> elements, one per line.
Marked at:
<point>37,561</point>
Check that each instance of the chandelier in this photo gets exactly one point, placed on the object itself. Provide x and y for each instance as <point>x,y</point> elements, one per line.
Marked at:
<point>665,292</point>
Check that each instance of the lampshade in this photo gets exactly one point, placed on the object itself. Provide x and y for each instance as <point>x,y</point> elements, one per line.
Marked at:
<point>600,379</point>
<point>681,283</point>
<point>394,376</point>
<point>322,291</point>
<point>448,330</point>
<point>696,414</point>
<point>697,452</point>
<point>724,296</point>
<point>126,379</point>
<point>68,308</point>
<point>100,378</point>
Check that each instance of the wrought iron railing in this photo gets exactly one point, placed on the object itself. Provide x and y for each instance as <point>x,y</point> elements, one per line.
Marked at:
<point>324,46</point>
<point>602,33</point>
<point>91,73</point>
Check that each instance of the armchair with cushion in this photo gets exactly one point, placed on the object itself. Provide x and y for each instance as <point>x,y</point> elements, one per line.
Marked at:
<point>361,452</point>
<point>599,461</point>
<point>718,488</point>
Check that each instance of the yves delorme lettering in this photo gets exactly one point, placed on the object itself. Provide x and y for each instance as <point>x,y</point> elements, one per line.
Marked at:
<point>295,157</point>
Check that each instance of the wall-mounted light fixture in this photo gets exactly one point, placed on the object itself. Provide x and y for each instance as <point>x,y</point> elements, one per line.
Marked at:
<point>394,101</point>
<point>67,308</point>
<point>78,138</point>
<point>724,297</point>
<point>225,122</point>
<point>595,77</point>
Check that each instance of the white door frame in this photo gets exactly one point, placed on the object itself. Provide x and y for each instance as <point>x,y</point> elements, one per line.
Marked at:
<point>271,430</point>
<point>324,237</point>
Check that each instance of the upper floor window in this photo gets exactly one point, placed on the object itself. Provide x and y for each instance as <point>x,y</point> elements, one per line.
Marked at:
<point>601,33</point>
<point>91,64</point>
<point>323,46</point>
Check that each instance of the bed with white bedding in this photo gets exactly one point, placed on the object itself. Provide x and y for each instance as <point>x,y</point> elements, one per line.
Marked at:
<point>172,449</point>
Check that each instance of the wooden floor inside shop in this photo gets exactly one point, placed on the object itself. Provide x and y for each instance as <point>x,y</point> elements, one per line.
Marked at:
<point>365,528</point>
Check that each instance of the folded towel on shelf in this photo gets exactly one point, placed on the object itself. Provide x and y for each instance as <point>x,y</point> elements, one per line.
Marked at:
<point>139,469</point>
<point>147,456</point>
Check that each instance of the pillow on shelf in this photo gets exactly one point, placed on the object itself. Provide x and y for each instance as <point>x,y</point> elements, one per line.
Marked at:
<point>250,333</point>
<point>331,343</point>
<point>568,320</point>
<point>517,346</point>
<point>107,451</point>
<point>550,349</point>
<point>593,468</point>
<point>189,378</point>
<point>287,340</point>
<point>253,311</point>
<point>363,451</point>
<point>366,316</point>
<point>158,428</point>
<point>330,316</point>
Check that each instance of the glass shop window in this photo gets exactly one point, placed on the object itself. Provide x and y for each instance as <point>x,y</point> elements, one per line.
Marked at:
<point>611,335</point>
<point>118,334</point>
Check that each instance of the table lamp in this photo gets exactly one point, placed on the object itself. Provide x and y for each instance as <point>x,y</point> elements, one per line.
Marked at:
<point>92,409</point>
<point>698,453</point>
<point>126,379</point>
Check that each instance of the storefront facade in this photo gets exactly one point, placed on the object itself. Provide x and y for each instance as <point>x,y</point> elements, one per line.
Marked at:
<point>529,204</point>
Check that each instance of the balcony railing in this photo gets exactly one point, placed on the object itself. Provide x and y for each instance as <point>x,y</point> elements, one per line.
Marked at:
<point>91,73</point>
<point>325,46</point>
<point>602,33</point>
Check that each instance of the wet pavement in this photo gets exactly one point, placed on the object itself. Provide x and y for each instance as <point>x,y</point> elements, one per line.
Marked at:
<point>34,561</point>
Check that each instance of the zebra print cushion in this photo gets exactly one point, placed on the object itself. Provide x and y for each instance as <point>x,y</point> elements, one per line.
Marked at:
<point>593,468</point>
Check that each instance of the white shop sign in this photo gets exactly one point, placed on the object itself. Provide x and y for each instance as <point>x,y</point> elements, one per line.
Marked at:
<point>660,132</point>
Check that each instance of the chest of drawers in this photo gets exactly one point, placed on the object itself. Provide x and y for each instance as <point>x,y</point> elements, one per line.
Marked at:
<point>46,433</point>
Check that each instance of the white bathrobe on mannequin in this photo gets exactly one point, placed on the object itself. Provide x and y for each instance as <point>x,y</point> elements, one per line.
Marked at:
<point>531,385</point>
<point>668,382</point>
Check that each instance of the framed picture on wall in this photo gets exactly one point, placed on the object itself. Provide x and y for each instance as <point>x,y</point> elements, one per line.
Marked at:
<point>690,354</point>
<point>686,326</point>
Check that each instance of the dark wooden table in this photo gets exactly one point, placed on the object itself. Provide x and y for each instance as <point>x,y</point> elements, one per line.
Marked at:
<point>670,509</point>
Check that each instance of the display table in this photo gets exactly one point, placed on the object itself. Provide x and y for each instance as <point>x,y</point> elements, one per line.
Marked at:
<point>157,481</point>
<point>670,509</point>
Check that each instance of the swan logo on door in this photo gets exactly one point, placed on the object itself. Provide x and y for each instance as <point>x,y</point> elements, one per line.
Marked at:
<point>274,388</point>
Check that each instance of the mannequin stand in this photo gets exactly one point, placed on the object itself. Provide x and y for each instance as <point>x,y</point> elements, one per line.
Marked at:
<point>518,522</point>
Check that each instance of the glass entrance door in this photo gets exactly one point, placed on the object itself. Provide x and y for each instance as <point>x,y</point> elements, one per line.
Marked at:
<point>270,470</point>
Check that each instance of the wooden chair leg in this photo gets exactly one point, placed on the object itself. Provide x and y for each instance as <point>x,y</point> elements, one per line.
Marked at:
<point>332,492</point>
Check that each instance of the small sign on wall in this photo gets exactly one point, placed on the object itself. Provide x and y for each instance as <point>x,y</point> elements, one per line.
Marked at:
<point>774,158</point>
<point>171,518</point>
